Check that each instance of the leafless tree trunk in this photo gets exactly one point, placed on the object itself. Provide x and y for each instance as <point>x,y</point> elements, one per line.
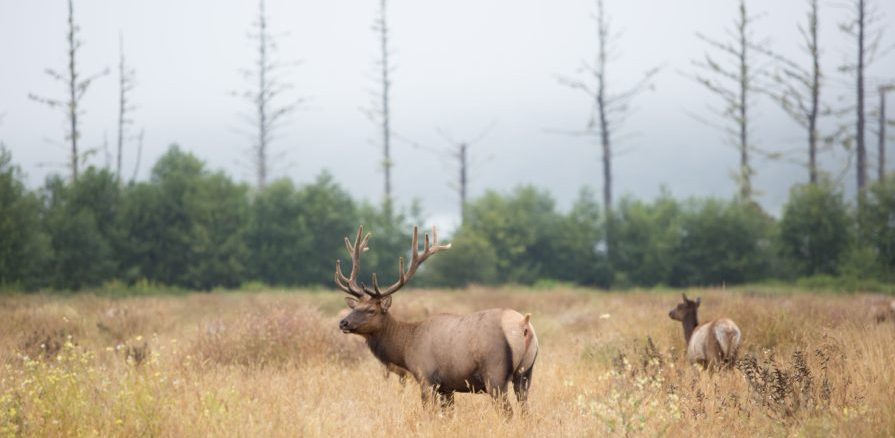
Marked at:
<point>139,155</point>
<point>600,75</point>
<point>800,87</point>
<point>459,150</point>
<point>736,88</point>
<point>866,27</point>
<point>268,116</point>
<point>76,88</point>
<point>72,87</point>
<point>811,47</point>
<point>464,163</point>
<point>383,113</point>
<point>861,150</point>
<point>881,162</point>
<point>261,147</point>
<point>125,86</point>
<point>609,108</point>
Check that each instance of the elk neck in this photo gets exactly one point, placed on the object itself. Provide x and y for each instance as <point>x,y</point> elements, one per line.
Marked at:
<point>689,324</point>
<point>390,343</point>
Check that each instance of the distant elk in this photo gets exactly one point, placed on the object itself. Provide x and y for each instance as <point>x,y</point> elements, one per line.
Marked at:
<point>883,310</point>
<point>480,353</point>
<point>713,344</point>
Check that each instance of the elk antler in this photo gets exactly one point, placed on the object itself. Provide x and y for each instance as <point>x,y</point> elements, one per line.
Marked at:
<point>349,284</point>
<point>415,262</point>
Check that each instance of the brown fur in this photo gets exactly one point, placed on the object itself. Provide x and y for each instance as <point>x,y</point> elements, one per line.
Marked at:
<point>883,310</point>
<point>480,352</point>
<point>389,368</point>
<point>713,344</point>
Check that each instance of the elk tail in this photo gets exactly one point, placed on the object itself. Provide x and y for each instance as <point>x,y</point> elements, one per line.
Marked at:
<point>527,336</point>
<point>733,344</point>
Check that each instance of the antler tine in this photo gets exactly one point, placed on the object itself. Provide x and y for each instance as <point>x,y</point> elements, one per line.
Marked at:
<point>360,232</point>
<point>363,243</point>
<point>376,291</point>
<point>349,283</point>
<point>340,280</point>
<point>435,247</point>
<point>414,247</point>
<point>359,246</point>
<point>430,247</point>
<point>340,277</point>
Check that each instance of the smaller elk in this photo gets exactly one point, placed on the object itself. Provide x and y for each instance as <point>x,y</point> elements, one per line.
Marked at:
<point>481,352</point>
<point>713,344</point>
<point>883,310</point>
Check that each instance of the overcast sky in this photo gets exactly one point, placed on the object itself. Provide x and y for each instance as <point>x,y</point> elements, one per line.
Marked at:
<point>460,66</point>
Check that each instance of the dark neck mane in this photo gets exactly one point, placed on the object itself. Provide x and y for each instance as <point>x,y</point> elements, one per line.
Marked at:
<point>690,324</point>
<point>389,343</point>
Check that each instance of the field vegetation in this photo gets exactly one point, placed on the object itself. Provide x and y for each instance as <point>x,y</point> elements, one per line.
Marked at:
<point>273,363</point>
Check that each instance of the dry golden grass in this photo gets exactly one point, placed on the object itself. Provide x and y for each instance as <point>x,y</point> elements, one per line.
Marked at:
<point>274,364</point>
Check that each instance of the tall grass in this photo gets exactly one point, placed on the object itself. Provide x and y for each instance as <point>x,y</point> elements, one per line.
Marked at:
<point>274,364</point>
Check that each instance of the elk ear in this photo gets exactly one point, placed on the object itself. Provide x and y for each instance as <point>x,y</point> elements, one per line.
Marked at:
<point>385,303</point>
<point>684,296</point>
<point>351,301</point>
<point>698,300</point>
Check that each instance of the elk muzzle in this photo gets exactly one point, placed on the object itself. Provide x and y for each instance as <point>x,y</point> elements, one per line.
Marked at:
<point>345,326</point>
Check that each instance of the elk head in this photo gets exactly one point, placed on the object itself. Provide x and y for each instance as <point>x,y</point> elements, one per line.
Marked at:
<point>369,305</point>
<point>682,310</point>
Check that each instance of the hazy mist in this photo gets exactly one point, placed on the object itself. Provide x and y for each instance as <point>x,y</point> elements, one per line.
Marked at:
<point>460,66</point>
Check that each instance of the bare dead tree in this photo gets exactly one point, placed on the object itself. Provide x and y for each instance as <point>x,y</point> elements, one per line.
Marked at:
<point>735,80</point>
<point>107,155</point>
<point>881,161</point>
<point>268,115</point>
<point>126,83</point>
<point>139,154</point>
<point>76,88</point>
<point>866,28</point>
<point>798,90</point>
<point>380,110</point>
<point>458,152</point>
<point>609,109</point>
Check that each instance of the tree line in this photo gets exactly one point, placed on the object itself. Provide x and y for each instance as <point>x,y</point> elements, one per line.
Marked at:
<point>193,228</point>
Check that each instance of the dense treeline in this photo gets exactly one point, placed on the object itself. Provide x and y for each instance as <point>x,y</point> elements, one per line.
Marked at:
<point>193,228</point>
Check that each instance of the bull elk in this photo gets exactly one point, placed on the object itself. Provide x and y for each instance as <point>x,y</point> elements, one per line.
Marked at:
<point>480,353</point>
<point>712,344</point>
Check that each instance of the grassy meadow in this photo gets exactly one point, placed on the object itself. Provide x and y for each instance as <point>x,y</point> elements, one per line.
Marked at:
<point>273,363</point>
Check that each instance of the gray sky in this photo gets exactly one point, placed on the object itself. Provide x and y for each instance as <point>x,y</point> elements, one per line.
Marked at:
<point>460,66</point>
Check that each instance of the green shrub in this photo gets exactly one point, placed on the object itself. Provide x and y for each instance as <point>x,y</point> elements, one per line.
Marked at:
<point>815,230</point>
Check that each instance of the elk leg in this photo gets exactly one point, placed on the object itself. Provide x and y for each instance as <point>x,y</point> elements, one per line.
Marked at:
<point>446,400</point>
<point>521,383</point>
<point>498,392</point>
<point>427,393</point>
<point>398,371</point>
<point>433,396</point>
<point>503,400</point>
